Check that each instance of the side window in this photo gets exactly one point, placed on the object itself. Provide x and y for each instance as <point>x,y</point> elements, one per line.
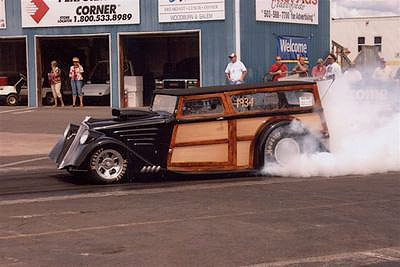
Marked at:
<point>202,106</point>
<point>255,102</point>
<point>272,101</point>
<point>299,99</point>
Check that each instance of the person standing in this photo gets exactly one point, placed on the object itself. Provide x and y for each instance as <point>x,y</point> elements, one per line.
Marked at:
<point>55,83</point>
<point>319,70</point>
<point>333,70</point>
<point>235,71</point>
<point>278,70</point>
<point>75,73</point>
<point>301,68</point>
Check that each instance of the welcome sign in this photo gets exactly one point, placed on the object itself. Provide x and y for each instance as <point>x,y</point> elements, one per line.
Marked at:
<point>2,14</point>
<point>291,48</point>
<point>53,13</point>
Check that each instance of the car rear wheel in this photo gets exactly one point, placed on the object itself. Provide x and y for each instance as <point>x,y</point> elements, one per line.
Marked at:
<point>108,165</point>
<point>12,100</point>
<point>282,146</point>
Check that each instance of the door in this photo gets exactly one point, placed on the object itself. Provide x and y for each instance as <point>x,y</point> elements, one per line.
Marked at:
<point>201,139</point>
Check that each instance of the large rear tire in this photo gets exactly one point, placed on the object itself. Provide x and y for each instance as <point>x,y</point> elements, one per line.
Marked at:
<point>108,165</point>
<point>282,146</point>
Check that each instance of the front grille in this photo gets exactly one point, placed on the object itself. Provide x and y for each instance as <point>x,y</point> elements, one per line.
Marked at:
<point>71,146</point>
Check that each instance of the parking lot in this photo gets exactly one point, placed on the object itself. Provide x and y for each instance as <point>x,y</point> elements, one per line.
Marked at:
<point>49,217</point>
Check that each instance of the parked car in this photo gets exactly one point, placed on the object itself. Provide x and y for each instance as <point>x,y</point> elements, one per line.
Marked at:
<point>198,130</point>
<point>10,94</point>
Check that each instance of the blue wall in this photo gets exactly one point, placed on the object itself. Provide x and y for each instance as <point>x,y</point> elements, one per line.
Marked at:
<point>258,38</point>
<point>217,39</point>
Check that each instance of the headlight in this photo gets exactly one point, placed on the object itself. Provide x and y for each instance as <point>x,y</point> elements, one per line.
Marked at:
<point>84,137</point>
<point>66,131</point>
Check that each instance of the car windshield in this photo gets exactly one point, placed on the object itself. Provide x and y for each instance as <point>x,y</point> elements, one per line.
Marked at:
<point>166,103</point>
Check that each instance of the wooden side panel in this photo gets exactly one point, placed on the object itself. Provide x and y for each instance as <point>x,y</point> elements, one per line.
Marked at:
<point>312,121</point>
<point>243,153</point>
<point>249,127</point>
<point>195,132</point>
<point>201,153</point>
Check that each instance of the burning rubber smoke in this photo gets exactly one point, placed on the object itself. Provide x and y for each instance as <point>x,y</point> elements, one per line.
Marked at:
<point>364,128</point>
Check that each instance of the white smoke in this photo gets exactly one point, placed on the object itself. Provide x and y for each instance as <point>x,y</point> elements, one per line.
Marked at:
<point>364,128</point>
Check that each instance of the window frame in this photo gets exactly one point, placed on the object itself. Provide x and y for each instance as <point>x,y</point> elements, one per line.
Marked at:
<point>310,89</point>
<point>359,44</point>
<point>182,99</point>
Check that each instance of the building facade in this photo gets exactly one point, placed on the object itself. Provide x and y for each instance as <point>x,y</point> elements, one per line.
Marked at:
<point>156,39</point>
<point>383,32</point>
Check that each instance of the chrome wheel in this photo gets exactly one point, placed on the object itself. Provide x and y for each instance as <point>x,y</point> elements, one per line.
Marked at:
<point>109,164</point>
<point>286,151</point>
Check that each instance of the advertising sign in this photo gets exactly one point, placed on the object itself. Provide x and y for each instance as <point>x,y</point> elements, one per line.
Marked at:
<point>291,48</point>
<point>2,14</point>
<point>53,13</point>
<point>190,10</point>
<point>289,11</point>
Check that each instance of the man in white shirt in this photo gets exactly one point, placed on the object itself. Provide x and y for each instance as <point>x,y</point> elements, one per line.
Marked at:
<point>235,71</point>
<point>333,70</point>
<point>382,72</point>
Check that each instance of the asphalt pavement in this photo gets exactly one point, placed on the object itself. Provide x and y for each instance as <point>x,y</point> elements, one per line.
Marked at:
<point>49,218</point>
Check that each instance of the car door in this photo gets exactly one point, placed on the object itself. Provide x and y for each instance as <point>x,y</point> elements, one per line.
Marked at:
<point>201,138</point>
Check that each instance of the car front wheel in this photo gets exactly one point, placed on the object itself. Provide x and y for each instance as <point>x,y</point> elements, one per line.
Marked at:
<point>108,165</point>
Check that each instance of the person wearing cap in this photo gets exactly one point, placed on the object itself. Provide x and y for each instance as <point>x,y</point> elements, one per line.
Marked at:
<point>75,73</point>
<point>278,70</point>
<point>301,68</point>
<point>55,83</point>
<point>333,70</point>
<point>235,71</point>
<point>319,70</point>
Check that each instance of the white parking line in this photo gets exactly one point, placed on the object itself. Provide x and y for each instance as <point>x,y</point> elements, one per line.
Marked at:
<point>22,112</point>
<point>15,110</point>
<point>22,162</point>
<point>344,259</point>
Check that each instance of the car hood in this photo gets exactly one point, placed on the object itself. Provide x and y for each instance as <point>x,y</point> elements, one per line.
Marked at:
<point>129,118</point>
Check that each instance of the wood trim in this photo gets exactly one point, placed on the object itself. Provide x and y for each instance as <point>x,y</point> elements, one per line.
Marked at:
<point>201,164</point>
<point>172,145</point>
<point>199,143</point>
<point>207,169</point>
<point>232,157</point>
<point>272,89</point>
<point>245,138</point>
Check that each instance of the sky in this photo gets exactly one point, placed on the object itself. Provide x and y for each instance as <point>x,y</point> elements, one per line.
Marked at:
<point>364,8</point>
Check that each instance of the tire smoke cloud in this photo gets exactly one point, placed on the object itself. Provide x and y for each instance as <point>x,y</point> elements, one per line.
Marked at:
<point>364,126</point>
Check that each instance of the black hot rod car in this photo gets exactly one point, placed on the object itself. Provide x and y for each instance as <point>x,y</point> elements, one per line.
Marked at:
<point>208,129</point>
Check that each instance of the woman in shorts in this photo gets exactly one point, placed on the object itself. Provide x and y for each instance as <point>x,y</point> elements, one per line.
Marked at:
<point>55,83</point>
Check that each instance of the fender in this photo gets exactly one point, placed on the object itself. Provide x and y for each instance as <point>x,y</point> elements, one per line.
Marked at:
<point>261,136</point>
<point>104,141</point>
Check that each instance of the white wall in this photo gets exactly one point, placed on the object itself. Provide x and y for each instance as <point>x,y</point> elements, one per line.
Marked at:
<point>346,33</point>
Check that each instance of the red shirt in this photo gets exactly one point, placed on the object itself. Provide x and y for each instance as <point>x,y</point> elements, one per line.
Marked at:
<point>275,68</point>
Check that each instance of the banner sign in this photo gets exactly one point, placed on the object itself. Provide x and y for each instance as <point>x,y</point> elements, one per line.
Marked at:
<point>289,11</point>
<point>291,48</point>
<point>190,10</point>
<point>2,14</point>
<point>53,13</point>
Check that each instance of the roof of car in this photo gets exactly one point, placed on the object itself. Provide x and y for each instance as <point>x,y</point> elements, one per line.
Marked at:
<point>226,88</point>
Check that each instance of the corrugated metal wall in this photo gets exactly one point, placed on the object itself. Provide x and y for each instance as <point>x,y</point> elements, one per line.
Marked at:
<point>258,38</point>
<point>217,39</point>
